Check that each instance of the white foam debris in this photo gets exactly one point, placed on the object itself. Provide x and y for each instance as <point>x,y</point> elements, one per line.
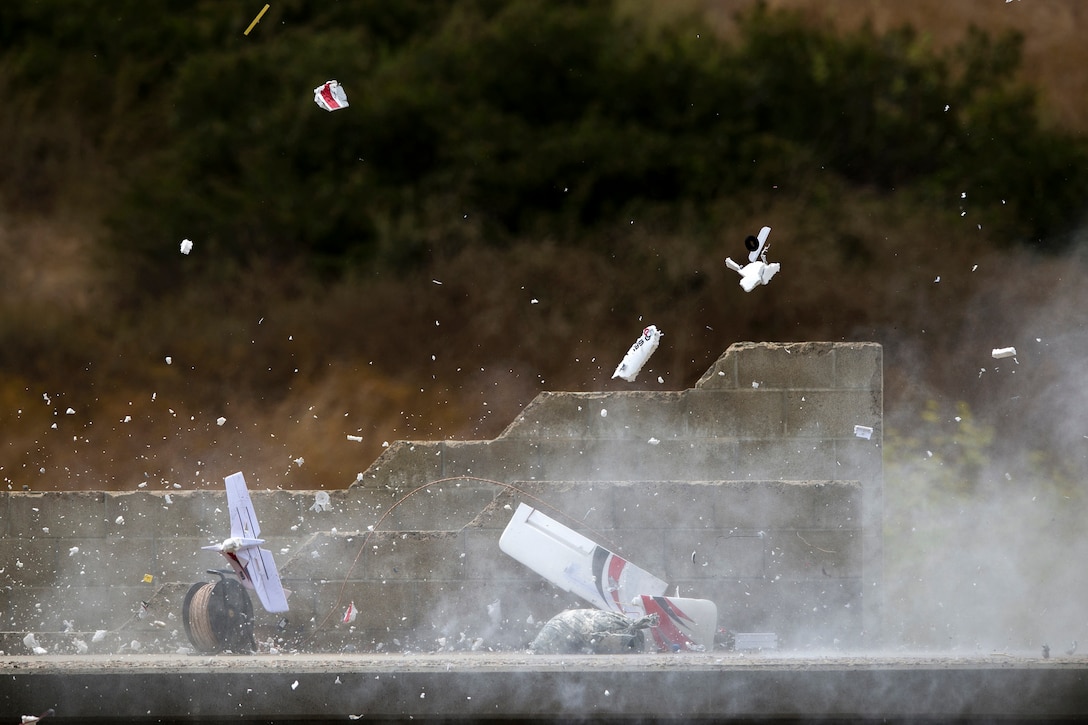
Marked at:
<point>32,643</point>
<point>186,246</point>
<point>73,551</point>
<point>169,360</point>
<point>638,354</point>
<point>299,461</point>
<point>604,412</point>
<point>99,635</point>
<point>220,420</point>
<point>120,521</point>
<point>355,439</point>
<point>863,431</point>
<point>70,411</point>
<point>653,441</point>
<point>321,502</point>
<point>294,685</point>
<point>1001,352</point>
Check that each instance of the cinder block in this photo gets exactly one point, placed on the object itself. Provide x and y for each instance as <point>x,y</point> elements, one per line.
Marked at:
<point>500,459</point>
<point>771,459</point>
<point>445,506</point>
<point>144,514</point>
<point>415,556</point>
<point>327,556</point>
<point>115,561</point>
<point>485,562</point>
<point>636,415</point>
<point>859,365</point>
<point>829,414</point>
<point>29,561</point>
<point>667,504</point>
<point>814,554</point>
<point>751,413</point>
<point>785,366</point>
<point>63,513</point>
<point>550,414</point>
<point>405,465</point>
<point>698,554</point>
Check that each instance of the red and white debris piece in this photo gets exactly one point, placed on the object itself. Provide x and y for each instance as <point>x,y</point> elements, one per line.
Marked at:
<point>350,614</point>
<point>331,96</point>
<point>638,354</point>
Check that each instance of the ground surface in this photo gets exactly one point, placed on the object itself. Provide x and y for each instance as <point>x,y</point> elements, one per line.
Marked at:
<point>558,688</point>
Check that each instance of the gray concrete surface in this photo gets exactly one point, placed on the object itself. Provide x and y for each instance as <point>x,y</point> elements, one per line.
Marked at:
<point>521,687</point>
<point>750,488</point>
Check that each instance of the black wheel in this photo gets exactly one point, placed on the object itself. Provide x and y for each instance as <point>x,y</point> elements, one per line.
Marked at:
<point>219,617</point>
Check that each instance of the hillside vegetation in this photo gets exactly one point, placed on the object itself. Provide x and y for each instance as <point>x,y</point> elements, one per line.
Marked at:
<point>516,189</point>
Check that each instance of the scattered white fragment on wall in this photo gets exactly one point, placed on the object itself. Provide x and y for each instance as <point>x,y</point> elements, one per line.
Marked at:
<point>863,431</point>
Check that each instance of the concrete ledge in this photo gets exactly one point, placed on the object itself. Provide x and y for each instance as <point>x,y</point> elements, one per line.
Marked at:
<point>521,687</point>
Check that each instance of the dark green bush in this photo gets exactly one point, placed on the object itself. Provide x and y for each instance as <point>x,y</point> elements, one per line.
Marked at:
<point>484,121</point>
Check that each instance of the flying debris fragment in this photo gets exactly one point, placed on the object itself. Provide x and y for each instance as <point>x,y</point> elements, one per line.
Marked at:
<point>638,354</point>
<point>35,718</point>
<point>1000,352</point>
<point>186,246</point>
<point>757,271</point>
<point>350,614</point>
<point>331,96</point>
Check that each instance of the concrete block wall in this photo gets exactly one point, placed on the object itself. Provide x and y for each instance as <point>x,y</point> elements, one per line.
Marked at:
<point>764,442</point>
<point>778,556</point>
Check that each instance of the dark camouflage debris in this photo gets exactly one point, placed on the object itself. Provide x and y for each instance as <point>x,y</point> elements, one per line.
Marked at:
<point>591,631</point>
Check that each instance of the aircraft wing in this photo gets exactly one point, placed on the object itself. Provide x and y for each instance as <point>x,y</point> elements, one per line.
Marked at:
<point>265,577</point>
<point>243,519</point>
<point>575,563</point>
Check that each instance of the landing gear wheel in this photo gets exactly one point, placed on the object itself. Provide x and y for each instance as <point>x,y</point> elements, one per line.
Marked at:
<point>219,616</point>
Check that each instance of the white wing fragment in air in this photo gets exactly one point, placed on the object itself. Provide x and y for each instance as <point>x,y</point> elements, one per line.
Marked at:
<point>757,271</point>
<point>253,565</point>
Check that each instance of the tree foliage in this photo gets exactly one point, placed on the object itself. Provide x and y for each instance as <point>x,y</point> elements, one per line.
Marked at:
<point>483,121</point>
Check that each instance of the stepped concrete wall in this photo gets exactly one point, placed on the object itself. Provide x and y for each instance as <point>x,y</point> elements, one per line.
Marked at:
<point>752,489</point>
